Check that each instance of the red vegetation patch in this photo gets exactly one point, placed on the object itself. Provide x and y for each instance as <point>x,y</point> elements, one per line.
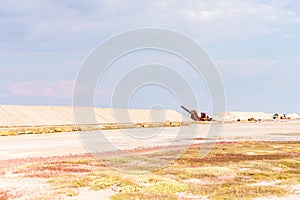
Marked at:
<point>226,158</point>
<point>50,166</point>
<point>47,171</point>
<point>4,195</point>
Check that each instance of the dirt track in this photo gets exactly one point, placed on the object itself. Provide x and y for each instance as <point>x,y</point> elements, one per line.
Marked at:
<point>71,143</point>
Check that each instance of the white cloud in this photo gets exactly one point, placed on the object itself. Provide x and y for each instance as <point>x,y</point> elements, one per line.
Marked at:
<point>58,89</point>
<point>57,34</point>
<point>238,19</point>
<point>71,21</point>
<point>244,68</point>
<point>289,36</point>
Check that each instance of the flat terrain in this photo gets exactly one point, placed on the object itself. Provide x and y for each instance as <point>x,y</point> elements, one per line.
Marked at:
<point>73,143</point>
<point>258,160</point>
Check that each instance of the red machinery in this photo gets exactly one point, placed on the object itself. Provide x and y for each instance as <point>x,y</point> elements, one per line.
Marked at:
<point>194,115</point>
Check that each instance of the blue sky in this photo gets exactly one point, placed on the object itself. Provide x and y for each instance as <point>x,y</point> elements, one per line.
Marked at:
<point>255,45</point>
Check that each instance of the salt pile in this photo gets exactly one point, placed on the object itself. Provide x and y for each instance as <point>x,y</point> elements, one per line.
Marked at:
<point>293,116</point>
<point>11,115</point>
<point>243,116</point>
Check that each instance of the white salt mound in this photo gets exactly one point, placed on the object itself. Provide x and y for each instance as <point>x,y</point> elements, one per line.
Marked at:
<point>11,115</point>
<point>293,116</point>
<point>243,116</point>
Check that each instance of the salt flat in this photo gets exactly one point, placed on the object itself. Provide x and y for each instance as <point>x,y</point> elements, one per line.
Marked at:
<point>59,144</point>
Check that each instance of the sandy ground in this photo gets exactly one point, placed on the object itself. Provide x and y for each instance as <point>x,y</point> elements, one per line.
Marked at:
<point>30,146</point>
<point>83,142</point>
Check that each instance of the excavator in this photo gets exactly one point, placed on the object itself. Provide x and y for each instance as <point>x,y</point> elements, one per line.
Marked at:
<point>195,116</point>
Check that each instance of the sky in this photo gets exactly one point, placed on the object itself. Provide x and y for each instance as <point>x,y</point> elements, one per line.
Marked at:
<point>255,46</point>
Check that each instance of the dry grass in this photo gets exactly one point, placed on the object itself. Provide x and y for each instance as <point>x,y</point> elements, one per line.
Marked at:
<point>35,130</point>
<point>11,131</point>
<point>230,171</point>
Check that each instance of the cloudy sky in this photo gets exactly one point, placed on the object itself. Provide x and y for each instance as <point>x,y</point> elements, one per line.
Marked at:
<point>254,44</point>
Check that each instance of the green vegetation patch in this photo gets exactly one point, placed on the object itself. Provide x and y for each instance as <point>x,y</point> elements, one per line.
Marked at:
<point>236,191</point>
<point>229,171</point>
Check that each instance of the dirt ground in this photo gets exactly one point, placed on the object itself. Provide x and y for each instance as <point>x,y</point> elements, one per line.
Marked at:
<point>59,144</point>
<point>24,157</point>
